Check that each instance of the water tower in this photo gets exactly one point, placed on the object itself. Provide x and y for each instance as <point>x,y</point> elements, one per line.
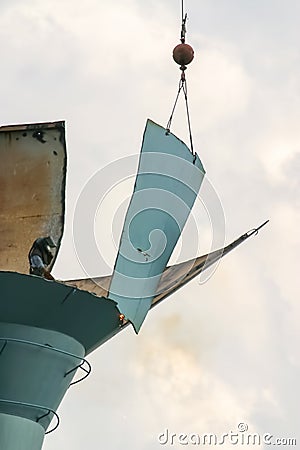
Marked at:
<point>48,327</point>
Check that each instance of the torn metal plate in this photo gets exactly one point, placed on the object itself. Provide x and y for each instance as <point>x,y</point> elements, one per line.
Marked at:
<point>167,183</point>
<point>32,190</point>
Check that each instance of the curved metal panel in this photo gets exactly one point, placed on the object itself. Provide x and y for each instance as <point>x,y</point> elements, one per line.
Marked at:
<point>167,184</point>
<point>172,279</point>
<point>41,363</point>
<point>36,302</point>
<point>62,307</point>
<point>32,190</point>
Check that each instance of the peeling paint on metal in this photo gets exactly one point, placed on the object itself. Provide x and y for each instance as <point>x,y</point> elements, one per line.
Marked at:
<point>32,189</point>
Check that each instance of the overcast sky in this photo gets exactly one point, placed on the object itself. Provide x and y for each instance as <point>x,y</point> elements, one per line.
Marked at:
<point>216,353</point>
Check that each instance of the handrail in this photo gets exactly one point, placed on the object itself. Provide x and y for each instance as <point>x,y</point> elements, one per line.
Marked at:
<point>49,347</point>
<point>31,405</point>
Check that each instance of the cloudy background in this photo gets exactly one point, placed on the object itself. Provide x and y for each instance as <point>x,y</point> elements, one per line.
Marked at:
<point>217,353</point>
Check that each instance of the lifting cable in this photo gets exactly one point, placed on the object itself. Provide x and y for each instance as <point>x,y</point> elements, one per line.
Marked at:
<point>183,54</point>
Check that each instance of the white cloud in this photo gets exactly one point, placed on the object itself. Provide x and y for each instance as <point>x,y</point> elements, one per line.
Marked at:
<point>225,351</point>
<point>221,87</point>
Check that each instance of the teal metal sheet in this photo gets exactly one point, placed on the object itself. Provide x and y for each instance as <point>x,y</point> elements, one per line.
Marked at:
<point>168,181</point>
<point>34,301</point>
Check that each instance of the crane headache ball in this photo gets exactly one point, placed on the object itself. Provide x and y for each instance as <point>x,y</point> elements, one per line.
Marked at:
<point>183,54</point>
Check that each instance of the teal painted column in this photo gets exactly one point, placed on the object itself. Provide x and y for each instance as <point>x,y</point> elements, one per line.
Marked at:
<point>36,368</point>
<point>17,433</point>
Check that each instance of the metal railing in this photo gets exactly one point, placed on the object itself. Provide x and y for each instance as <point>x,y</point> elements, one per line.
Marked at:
<point>32,405</point>
<point>49,347</point>
<point>54,349</point>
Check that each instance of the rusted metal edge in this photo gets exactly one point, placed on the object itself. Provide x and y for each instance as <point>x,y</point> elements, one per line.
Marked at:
<point>32,126</point>
<point>61,125</point>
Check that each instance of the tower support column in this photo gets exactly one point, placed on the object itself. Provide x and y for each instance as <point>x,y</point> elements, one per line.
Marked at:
<point>18,433</point>
<point>36,368</point>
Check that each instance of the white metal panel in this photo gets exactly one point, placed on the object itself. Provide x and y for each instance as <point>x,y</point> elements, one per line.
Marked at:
<point>167,184</point>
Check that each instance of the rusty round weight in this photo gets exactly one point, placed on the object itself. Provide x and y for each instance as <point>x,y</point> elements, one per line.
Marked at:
<point>183,54</point>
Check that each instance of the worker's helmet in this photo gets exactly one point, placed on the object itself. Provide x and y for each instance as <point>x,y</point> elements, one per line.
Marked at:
<point>49,242</point>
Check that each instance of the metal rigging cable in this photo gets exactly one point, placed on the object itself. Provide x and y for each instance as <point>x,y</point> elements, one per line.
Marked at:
<point>183,22</point>
<point>183,54</point>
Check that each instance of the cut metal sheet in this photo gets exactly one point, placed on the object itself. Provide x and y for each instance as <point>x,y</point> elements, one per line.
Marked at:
<point>32,190</point>
<point>91,320</point>
<point>97,285</point>
<point>168,181</point>
<point>173,277</point>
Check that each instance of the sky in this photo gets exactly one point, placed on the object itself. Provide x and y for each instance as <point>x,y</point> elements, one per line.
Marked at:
<point>223,350</point>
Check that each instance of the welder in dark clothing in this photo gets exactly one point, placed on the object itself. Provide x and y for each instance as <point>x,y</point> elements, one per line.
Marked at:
<point>40,256</point>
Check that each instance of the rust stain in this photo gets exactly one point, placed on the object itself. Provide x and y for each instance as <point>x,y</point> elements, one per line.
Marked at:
<point>172,279</point>
<point>32,181</point>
